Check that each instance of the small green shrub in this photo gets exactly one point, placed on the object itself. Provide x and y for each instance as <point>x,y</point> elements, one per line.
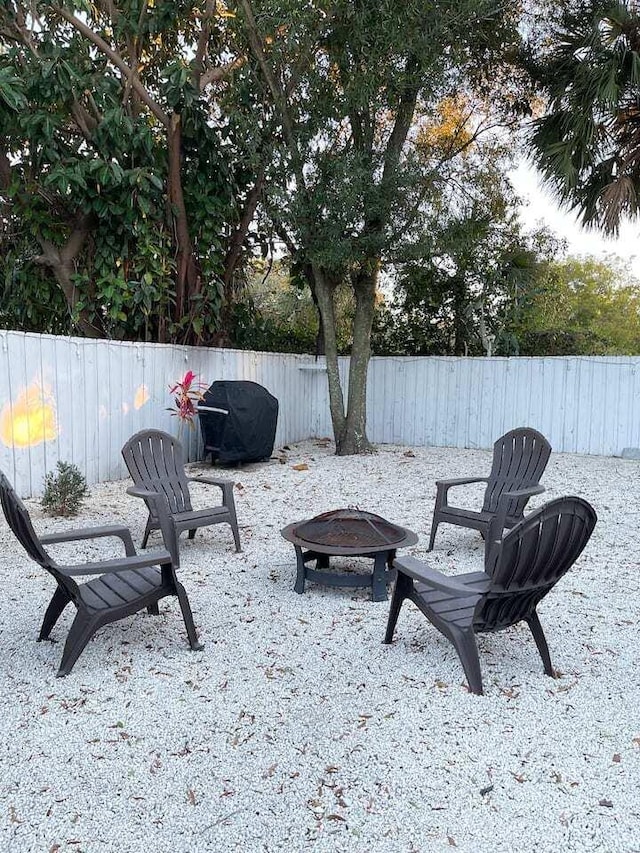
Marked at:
<point>64,491</point>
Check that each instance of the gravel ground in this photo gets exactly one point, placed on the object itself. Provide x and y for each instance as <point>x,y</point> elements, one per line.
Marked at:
<point>296,729</point>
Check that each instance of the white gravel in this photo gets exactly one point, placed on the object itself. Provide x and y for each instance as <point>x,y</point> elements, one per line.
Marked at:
<point>296,729</point>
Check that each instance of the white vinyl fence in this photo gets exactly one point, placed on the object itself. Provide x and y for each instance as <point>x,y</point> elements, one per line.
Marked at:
<point>78,400</point>
<point>581,404</point>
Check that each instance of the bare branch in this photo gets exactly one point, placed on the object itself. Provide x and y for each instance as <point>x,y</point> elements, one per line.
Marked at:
<point>5,169</point>
<point>133,45</point>
<point>402,125</point>
<point>18,29</point>
<point>118,61</point>
<point>277,93</point>
<point>214,75</point>
<point>238,238</point>
<point>201,49</point>
<point>60,261</point>
<point>436,169</point>
<point>86,122</point>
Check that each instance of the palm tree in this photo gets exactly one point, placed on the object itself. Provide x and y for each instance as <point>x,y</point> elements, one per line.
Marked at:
<point>587,144</point>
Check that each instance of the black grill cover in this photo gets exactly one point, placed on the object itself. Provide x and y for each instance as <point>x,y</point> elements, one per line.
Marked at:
<point>238,421</point>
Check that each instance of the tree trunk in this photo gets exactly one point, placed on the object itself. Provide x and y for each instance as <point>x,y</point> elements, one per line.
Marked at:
<point>354,439</point>
<point>234,253</point>
<point>349,429</point>
<point>61,262</point>
<point>324,289</point>
<point>486,337</point>
<point>307,270</point>
<point>187,272</point>
<point>460,305</point>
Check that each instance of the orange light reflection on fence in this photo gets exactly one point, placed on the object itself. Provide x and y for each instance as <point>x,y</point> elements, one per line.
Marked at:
<point>31,419</point>
<point>141,397</point>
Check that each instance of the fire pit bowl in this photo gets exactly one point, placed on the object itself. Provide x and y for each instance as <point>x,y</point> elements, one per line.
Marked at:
<point>347,533</point>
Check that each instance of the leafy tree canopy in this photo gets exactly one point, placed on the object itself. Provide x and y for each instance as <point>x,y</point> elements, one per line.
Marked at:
<point>587,143</point>
<point>356,90</point>
<point>581,306</point>
<point>119,179</point>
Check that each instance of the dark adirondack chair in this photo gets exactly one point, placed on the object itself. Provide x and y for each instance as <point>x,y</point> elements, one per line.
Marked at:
<point>519,460</point>
<point>123,586</point>
<point>520,569</point>
<point>155,462</point>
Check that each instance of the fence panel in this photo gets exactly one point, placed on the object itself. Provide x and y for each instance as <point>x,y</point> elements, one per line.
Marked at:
<point>582,404</point>
<point>78,400</point>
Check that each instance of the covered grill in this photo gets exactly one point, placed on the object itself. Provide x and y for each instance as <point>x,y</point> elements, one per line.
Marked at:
<point>238,421</point>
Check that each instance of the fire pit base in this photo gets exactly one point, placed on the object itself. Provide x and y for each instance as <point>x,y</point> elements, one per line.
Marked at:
<point>377,579</point>
<point>336,534</point>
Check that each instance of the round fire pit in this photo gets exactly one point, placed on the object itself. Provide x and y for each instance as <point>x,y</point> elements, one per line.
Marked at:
<point>347,533</point>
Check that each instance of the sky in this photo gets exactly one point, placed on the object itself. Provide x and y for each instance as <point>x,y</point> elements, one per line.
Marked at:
<point>541,207</point>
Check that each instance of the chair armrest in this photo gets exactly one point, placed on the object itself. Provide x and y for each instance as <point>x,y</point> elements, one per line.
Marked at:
<point>499,520</point>
<point>461,481</point>
<point>527,491</point>
<point>158,504</point>
<point>443,486</point>
<point>139,561</point>
<point>225,485</point>
<point>75,535</point>
<point>419,571</point>
<point>211,481</point>
<point>145,494</point>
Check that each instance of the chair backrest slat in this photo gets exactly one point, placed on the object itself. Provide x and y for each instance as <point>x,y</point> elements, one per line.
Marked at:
<point>531,558</point>
<point>18,520</point>
<point>154,460</point>
<point>519,459</point>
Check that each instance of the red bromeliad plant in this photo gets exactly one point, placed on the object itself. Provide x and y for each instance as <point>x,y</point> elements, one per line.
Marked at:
<point>187,393</point>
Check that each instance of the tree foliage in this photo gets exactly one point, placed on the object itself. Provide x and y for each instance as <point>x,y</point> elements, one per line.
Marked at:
<point>347,84</point>
<point>581,306</point>
<point>467,266</point>
<point>276,311</point>
<point>119,180</point>
<point>587,143</point>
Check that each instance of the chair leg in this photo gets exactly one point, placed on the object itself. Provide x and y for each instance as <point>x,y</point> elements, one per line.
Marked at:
<point>82,629</point>
<point>400,589</point>
<point>434,527</point>
<point>52,614</point>
<point>538,635</point>
<point>230,504</point>
<point>147,531</point>
<point>465,645</point>
<point>234,528</point>
<point>187,615</point>
<point>191,534</point>
<point>236,536</point>
<point>153,609</point>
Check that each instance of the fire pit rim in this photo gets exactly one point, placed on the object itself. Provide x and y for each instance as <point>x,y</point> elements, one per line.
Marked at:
<point>405,537</point>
